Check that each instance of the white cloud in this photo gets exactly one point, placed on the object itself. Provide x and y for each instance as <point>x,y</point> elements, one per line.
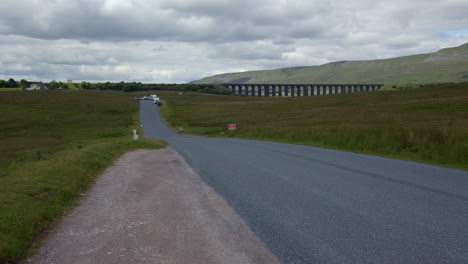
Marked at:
<point>184,40</point>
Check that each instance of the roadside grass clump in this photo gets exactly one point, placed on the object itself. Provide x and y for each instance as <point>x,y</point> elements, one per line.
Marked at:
<point>53,145</point>
<point>428,124</point>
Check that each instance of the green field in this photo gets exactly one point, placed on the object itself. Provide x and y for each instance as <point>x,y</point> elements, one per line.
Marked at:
<point>53,145</point>
<point>10,89</point>
<point>425,124</point>
<point>446,65</point>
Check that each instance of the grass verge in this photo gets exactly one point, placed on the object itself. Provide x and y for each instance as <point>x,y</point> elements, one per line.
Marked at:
<point>53,145</point>
<point>426,124</point>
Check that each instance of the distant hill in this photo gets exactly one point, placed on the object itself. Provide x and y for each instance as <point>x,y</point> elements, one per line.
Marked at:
<point>446,65</point>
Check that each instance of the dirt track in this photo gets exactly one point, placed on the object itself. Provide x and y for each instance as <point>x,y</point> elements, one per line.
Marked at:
<point>151,207</point>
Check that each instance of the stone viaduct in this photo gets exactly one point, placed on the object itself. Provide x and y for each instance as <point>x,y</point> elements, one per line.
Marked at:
<point>299,89</point>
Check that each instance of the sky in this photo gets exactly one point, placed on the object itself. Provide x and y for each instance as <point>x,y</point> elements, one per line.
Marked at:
<point>177,41</point>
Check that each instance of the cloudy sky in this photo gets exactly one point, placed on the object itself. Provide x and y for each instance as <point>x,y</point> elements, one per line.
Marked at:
<point>183,40</point>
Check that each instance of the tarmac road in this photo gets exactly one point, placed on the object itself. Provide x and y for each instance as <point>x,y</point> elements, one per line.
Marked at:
<point>314,205</point>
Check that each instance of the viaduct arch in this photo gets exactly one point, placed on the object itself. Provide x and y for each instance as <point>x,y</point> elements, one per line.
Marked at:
<point>299,89</point>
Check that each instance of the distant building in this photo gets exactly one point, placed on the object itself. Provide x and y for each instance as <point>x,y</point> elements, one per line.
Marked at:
<point>37,86</point>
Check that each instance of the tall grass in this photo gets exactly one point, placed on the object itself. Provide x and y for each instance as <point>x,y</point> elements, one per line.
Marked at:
<point>426,124</point>
<point>53,145</point>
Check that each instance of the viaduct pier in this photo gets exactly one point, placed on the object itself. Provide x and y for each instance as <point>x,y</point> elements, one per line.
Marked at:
<point>299,89</point>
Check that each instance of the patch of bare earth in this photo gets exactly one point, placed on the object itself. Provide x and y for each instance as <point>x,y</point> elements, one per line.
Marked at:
<point>151,207</point>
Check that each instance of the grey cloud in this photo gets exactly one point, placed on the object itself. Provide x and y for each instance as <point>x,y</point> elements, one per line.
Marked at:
<point>259,50</point>
<point>220,21</point>
<point>402,41</point>
<point>183,40</point>
<point>82,20</point>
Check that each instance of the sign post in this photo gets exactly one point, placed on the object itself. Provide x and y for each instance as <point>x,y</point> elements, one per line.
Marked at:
<point>231,126</point>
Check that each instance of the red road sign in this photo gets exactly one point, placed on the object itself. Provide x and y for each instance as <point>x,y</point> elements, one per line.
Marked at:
<point>231,126</point>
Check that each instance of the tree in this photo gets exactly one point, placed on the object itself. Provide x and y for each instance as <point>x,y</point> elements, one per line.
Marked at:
<point>2,83</point>
<point>23,83</point>
<point>107,85</point>
<point>53,85</point>
<point>11,83</point>
<point>85,85</point>
<point>63,85</point>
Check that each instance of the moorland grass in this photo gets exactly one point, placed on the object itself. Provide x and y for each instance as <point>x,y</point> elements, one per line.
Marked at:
<point>53,145</point>
<point>10,89</point>
<point>426,124</point>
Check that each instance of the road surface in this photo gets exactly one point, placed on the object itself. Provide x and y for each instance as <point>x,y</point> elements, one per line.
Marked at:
<point>314,205</point>
<point>151,207</point>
